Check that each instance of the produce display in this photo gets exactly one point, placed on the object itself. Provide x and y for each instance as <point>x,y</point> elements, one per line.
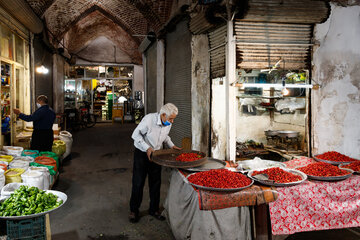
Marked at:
<point>335,157</point>
<point>188,157</point>
<point>220,178</point>
<point>279,175</point>
<point>353,166</point>
<point>321,169</point>
<point>28,200</point>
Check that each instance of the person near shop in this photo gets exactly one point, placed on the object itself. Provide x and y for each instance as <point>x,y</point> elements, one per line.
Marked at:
<point>43,119</point>
<point>149,135</point>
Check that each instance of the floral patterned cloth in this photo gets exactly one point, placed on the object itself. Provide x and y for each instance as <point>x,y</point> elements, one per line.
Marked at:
<point>316,205</point>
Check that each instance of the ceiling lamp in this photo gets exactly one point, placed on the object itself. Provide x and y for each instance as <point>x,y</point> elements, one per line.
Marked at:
<point>42,70</point>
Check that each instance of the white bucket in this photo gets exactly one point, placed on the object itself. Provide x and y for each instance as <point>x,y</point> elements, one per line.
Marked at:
<point>46,175</point>
<point>19,164</point>
<point>33,178</point>
<point>13,150</point>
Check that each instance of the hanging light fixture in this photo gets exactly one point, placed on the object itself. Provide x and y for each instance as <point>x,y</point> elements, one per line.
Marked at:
<point>42,70</point>
<point>284,90</point>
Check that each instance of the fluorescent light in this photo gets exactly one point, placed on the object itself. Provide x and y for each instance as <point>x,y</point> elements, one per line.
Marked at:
<point>275,85</point>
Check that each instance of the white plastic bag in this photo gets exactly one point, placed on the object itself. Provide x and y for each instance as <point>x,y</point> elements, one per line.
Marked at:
<point>33,178</point>
<point>2,178</point>
<point>24,158</point>
<point>19,164</point>
<point>67,138</point>
<point>290,103</point>
<point>9,188</point>
<point>46,175</point>
<point>13,150</point>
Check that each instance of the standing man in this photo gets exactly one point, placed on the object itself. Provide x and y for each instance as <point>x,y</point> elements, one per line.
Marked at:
<point>43,119</point>
<point>149,136</point>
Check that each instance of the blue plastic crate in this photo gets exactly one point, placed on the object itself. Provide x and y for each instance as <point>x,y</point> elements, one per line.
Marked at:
<point>32,228</point>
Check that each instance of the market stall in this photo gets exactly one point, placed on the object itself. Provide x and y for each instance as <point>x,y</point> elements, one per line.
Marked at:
<point>302,194</point>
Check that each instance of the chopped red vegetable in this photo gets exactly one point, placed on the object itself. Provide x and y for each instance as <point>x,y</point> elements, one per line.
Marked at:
<point>220,178</point>
<point>279,175</point>
<point>354,166</point>
<point>321,169</point>
<point>335,157</point>
<point>188,157</point>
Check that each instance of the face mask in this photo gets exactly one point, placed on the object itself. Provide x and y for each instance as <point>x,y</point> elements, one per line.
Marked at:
<point>38,105</point>
<point>167,123</point>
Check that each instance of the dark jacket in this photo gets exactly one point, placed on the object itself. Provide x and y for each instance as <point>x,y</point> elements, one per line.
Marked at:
<point>43,118</point>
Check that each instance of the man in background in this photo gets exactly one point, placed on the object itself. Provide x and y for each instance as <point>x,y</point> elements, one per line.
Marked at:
<point>43,119</point>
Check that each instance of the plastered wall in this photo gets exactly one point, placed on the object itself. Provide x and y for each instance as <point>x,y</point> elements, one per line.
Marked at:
<point>336,67</point>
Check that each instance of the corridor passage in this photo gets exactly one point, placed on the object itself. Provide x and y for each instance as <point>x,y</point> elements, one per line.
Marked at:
<point>97,180</point>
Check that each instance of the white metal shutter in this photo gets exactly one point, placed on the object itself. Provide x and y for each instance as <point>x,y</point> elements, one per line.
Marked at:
<point>217,41</point>
<point>178,80</point>
<point>261,45</point>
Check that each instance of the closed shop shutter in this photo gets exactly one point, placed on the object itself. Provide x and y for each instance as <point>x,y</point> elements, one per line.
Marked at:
<point>151,78</point>
<point>178,80</point>
<point>262,44</point>
<point>217,41</point>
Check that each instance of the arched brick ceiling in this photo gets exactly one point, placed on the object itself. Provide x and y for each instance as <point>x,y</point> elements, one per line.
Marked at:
<point>136,16</point>
<point>96,24</point>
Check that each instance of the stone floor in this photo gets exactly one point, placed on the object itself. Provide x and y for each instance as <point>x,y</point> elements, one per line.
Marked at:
<point>97,180</point>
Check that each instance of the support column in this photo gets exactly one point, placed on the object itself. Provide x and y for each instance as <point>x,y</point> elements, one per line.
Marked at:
<point>160,74</point>
<point>230,93</point>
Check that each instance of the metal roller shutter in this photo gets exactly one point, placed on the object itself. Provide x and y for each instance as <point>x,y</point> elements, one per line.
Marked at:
<point>217,41</point>
<point>151,67</point>
<point>260,45</point>
<point>13,24</point>
<point>178,80</point>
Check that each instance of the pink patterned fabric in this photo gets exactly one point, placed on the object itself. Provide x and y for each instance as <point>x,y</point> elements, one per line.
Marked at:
<point>316,205</point>
<point>299,162</point>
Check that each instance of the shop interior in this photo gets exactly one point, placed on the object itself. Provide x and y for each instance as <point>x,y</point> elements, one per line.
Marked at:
<point>103,87</point>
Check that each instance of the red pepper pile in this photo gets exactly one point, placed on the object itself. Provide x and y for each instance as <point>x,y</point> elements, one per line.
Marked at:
<point>321,169</point>
<point>354,166</point>
<point>188,157</point>
<point>335,157</point>
<point>279,175</point>
<point>220,178</point>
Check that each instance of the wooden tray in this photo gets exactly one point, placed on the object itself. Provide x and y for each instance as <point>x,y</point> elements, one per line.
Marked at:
<point>167,158</point>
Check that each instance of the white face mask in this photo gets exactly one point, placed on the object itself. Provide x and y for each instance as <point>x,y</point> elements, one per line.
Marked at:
<point>38,105</point>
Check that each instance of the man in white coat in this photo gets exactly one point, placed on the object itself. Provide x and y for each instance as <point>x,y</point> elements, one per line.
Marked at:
<point>149,136</point>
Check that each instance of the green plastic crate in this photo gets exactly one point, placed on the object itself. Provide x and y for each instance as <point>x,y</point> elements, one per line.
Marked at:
<point>32,228</point>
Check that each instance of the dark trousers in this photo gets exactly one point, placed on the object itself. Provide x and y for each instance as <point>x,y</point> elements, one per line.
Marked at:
<point>42,140</point>
<point>143,167</point>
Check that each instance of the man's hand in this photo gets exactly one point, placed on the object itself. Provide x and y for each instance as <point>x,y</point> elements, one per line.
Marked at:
<point>176,148</point>
<point>17,111</point>
<point>149,151</point>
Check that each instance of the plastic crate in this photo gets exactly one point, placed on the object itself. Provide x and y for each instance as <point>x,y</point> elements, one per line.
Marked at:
<point>33,228</point>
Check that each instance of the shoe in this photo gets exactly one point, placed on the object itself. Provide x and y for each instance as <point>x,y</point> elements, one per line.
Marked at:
<point>158,216</point>
<point>134,217</point>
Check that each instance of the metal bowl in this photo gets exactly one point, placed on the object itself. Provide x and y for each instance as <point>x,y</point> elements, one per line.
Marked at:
<point>289,134</point>
<point>271,133</point>
<point>343,166</point>
<point>297,172</point>
<point>60,195</point>
<point>328,161</point>
<point>335,178</point>
<point>218,189</point>
<point>167,158</point>
<point>210,164</point>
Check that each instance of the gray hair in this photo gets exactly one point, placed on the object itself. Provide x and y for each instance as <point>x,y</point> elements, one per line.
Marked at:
<point>169,109</point>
